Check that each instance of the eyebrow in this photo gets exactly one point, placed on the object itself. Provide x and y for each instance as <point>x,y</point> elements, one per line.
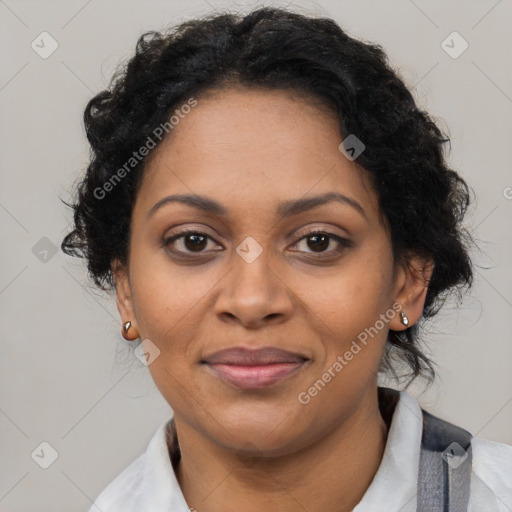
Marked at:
<point>284,209</point>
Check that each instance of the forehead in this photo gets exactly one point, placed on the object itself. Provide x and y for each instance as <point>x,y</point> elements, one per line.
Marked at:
<point>254,147</point>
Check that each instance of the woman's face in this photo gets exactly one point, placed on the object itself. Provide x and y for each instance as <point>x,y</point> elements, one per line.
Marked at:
<point>255,276</point>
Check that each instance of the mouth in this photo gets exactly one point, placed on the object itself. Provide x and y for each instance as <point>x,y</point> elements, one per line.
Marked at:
<point>254,368</point>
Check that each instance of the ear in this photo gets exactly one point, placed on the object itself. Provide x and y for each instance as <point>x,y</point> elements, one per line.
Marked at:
<point>124,300</point>
<point>411,286</point>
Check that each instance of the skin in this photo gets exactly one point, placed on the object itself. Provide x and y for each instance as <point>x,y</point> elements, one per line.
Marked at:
<point>262,449</point>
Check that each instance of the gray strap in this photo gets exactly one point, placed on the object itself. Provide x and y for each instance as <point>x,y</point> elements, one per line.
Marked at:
<point>445,466</point>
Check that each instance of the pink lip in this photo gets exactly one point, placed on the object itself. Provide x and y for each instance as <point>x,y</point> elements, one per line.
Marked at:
<point>255,377</point>
<point>254,368</point>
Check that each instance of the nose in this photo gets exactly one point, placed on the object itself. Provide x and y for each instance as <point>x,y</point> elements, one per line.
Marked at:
<point>254,294</point>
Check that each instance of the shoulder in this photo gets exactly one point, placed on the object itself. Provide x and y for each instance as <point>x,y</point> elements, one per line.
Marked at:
<point>491,477</point>
<point>122,494</point>
<point>491,467</point>
<point>126,492</point>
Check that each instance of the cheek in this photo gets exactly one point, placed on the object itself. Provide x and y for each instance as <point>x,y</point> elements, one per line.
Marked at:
<point>353,335</point>
<point>161,290</point>
<point>347,314</point>
<point>355,296</point>
<point>170,302</point>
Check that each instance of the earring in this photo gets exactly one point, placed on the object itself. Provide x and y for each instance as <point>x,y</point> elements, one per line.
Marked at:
<point>126,328</point>
<point>405,320</point>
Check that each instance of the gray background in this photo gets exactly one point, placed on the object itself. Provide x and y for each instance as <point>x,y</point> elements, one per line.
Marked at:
<point>66,376</point>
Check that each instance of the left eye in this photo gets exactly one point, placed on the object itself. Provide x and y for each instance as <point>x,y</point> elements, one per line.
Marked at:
<point>319,241</point>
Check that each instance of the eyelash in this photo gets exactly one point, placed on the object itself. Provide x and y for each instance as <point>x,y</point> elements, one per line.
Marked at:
<point>343,242</point>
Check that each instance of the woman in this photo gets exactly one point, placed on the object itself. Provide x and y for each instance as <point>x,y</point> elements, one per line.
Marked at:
<point>277,219</point>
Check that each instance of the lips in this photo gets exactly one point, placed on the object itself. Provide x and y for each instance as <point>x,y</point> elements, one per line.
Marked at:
<point>254,368</point>
<point>242,356</point>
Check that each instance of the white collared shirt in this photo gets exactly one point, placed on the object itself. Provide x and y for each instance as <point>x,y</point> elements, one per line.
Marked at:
<point>149,483</point>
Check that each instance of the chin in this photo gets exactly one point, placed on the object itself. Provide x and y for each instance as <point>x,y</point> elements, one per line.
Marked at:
<point>257,430</point>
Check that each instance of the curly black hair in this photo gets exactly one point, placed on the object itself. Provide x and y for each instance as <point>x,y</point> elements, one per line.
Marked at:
<point>422,200</point>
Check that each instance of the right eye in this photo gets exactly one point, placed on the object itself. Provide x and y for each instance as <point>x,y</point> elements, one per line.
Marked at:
<point>188,242</point>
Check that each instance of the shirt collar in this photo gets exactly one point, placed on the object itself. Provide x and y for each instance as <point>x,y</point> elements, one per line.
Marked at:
<point>161,491</point>
<point>394,484</point>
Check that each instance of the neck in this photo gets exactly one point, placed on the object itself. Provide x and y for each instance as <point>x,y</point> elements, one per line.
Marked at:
<point>342,465</point>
